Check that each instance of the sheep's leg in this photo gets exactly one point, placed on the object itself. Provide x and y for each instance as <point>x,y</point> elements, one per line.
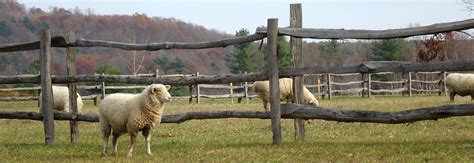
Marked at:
<point>105,137</point>
<point>265,104</point>
<point>451,96</point>
<point>66,107</point>
<point>133,136</point>
<point>114,143</point>
<point>147,134</point>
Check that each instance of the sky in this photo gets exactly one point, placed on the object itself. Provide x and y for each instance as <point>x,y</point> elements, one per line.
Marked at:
<point>231,15</point>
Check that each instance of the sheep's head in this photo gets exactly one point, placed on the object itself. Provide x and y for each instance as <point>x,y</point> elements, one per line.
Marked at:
<point>313,102</point>
<point>160,91</point>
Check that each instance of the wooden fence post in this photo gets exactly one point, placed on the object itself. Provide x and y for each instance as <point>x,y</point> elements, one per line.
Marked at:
<point>231,90</point>
<point>71,70</point>
<point>296,49</point>
<point>272,39</point>
<point>409,85</point>
<point>198,91</point>
<point>404,84</point>
<point>46,86</point>
<point>364,84</point>
<point>329,86</point>
<point>369,85</point>
<point>318,87</point>
<point>39,93</point>
<point>441,77</point>
<point>190,92</point>
<point>102,88</point>
<point>96,100</point>
<point>246,91</point>
<point>445,89</point>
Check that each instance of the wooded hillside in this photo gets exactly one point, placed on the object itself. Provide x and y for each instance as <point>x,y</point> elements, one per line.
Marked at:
<point>18,24</point>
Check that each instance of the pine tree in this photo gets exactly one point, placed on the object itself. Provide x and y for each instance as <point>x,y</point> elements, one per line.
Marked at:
<point>240,59</point>
<point>331,53</point>
<point>390,50</point>
<point>283,53</point>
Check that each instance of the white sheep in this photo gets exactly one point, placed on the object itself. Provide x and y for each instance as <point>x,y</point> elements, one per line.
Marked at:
<point>121,113</point>
<point>61,99</point>
<point>262,88</point>
<point>461,84</point>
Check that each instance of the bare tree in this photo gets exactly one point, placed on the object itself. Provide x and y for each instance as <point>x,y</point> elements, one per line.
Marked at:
<point>469,5</point>
<point>133,66</point>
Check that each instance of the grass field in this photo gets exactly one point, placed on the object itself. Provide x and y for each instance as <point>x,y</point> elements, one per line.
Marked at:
<point>226,140</point>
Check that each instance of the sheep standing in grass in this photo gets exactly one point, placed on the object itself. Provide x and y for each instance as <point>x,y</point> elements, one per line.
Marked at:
<point>121,113</point>
<point>461,84</point>
<point>61,99</point>
<point>262,88</point>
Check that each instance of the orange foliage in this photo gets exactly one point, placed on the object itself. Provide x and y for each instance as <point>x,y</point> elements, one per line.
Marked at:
<point>86,64</point>
<point>436,48</point>
<point>141,19</point>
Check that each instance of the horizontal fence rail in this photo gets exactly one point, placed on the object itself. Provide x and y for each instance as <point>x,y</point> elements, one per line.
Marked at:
<point>59,41</point>
<point>288,111</point>
<point>368,67</point>
<point>372,34</point>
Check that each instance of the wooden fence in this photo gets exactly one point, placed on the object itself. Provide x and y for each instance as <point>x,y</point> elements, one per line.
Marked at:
<point>340,84</point>
<point>296,33</point>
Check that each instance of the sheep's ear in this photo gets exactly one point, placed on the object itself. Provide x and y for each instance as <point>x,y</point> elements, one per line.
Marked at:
<point>168,87</point>
<point>154,90</point>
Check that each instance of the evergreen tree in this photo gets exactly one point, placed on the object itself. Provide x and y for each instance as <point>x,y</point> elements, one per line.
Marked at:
<point>283,53</point>
<point>390,50</point>
<point>108,69</point>
<point>331,53</point>
<point>28,25</point>
<point>34,68</point>
<point>4,29</point>
<point>240,59</point>
<point>179,65</point>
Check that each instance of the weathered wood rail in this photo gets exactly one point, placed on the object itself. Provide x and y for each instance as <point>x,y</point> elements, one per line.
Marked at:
<point>289,111</point>
<point>364,68</point>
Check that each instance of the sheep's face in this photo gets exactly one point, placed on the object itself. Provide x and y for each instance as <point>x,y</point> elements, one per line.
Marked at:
<point>160,91</point>
<point>313,102</point>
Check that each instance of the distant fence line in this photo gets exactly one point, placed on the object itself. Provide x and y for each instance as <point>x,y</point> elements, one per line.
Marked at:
<point>320,87</point>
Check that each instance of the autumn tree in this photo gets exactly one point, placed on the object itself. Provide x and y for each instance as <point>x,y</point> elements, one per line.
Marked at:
<point>240,59</point>
<point>469,5</point>
<point>436,48</point>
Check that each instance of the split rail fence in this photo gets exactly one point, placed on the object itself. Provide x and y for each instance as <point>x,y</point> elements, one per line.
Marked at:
<point>271,32</point>
<point>340,84</point>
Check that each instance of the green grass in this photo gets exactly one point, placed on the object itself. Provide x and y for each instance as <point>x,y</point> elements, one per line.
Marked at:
<point>225,140</point>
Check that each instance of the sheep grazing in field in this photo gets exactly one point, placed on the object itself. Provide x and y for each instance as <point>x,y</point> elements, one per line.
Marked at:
<point>61,99</point>
<point>461,84</point>
<point>121,113</point>
<point>262,88</point>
